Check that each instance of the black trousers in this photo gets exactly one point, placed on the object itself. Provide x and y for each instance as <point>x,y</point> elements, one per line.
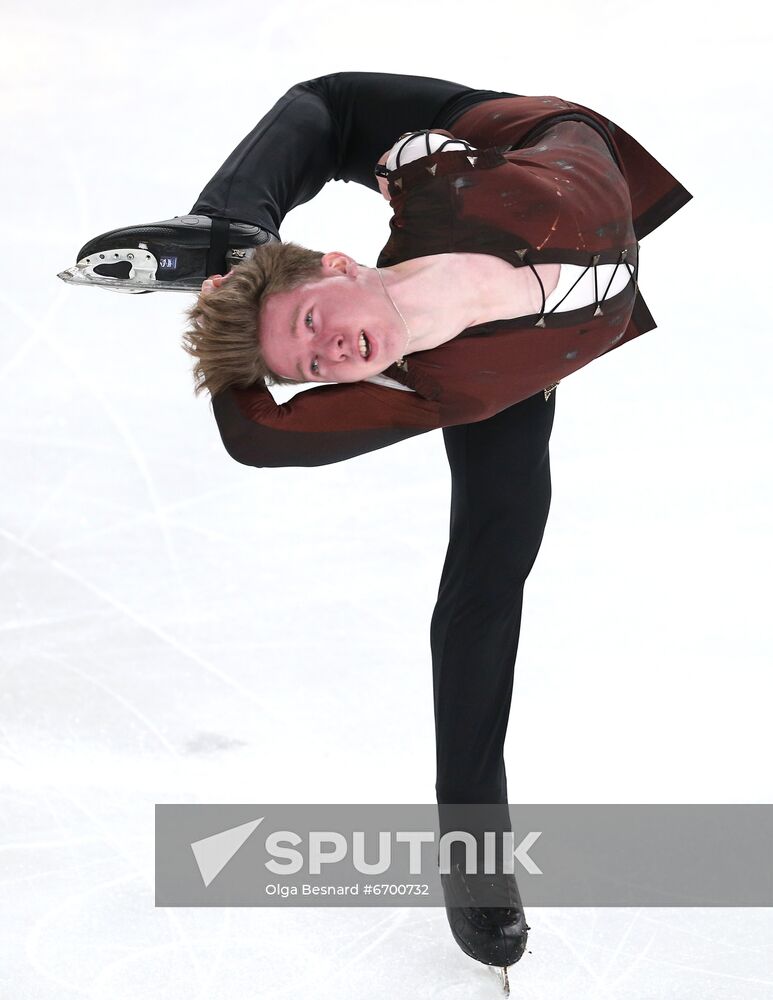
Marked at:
<point>338,126</point>
<point>500,498</point>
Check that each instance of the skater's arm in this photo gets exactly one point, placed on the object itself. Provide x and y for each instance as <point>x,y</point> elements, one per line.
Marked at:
<point>319,426</point>
<point>411,146</point>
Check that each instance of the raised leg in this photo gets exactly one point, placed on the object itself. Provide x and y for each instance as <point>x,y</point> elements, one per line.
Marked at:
<point>331,127</point>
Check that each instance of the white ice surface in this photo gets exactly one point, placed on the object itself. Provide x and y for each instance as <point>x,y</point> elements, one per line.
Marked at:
<point>178,628</point>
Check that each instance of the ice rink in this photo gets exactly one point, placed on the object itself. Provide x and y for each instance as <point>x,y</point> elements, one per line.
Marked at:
<point>176,627</point>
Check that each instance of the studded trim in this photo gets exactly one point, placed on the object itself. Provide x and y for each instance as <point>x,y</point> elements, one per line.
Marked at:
<point>522,254</point>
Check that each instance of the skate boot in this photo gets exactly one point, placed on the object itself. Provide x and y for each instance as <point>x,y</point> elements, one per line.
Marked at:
<point>174,255</point>
<point>492,934</point>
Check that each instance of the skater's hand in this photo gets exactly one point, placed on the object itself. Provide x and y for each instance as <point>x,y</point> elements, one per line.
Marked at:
<point>214,281</point>
<point>382,182</point>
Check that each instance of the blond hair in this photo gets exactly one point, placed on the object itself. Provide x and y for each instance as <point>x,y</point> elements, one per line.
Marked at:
<point>224,332</point>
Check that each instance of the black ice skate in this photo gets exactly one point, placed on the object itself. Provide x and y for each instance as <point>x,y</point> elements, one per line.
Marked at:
<point>174,255</point>
<point>493,935</point>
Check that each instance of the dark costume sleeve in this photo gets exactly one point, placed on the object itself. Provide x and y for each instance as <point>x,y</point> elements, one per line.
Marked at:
<point>332,127</point>
<point>329,423</point>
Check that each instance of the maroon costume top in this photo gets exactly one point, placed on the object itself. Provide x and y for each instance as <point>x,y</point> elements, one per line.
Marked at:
<point>552,182</point>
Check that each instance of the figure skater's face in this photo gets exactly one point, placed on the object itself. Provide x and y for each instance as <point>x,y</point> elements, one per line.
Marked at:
<point>312,333</point>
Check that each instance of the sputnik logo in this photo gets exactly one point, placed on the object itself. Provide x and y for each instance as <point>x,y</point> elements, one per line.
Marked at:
<point>213,853</point>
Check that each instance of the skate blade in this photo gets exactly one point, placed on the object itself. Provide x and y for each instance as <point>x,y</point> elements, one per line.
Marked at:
<point>126,269</point>
<point>504,980</point>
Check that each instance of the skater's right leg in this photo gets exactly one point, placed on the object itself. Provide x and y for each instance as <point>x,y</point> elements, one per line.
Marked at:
<point>334,126</point>
<point>331,127</point>
<point>283,162</point>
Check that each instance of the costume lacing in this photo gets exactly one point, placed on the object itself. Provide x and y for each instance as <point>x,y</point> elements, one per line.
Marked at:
<point>424,142</point>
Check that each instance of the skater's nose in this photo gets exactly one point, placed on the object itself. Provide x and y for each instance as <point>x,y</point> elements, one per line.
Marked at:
<point>340,346</point>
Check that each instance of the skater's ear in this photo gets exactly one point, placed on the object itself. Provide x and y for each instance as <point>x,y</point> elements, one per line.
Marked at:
<point>336,262</point>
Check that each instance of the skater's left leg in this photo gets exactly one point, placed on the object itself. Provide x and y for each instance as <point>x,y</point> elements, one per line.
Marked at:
<point>500,498</point>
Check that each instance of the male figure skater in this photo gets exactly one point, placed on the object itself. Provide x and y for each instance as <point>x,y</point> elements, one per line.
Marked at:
<point>545,198</point>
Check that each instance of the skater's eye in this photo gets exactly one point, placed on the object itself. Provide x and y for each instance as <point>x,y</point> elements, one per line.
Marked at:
<point>314,365</point>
